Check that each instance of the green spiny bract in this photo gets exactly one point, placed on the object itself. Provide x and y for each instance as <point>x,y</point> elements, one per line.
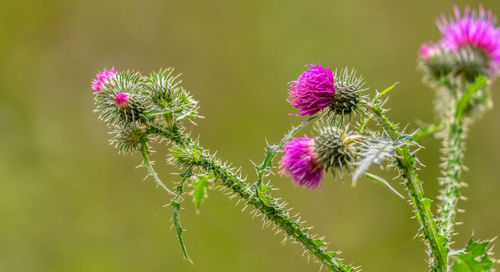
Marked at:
<point>130,115</point>
<point>129,139</point>
<point>335,148</point>
<point>349,90</point>
<point>465,65</point>
<point>169,98</point>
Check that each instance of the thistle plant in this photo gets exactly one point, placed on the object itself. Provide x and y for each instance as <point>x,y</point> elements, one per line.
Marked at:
<point>352,134</point>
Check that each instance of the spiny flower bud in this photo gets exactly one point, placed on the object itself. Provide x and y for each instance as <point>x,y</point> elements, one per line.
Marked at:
<point>335,148</point>
<point>122,99</point>
<point>165,92</point>
<point>300,161</point>
<point>318,88</point>
<point>128,139</point>
<point>102,78</point>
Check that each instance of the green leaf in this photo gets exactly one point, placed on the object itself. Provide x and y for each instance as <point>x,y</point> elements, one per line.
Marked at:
<point>200,190</point>
<point>383,182</point>
<point>387,90</point>
<point>474,258</point>
<point>466,97</point>
<point>177,207</point>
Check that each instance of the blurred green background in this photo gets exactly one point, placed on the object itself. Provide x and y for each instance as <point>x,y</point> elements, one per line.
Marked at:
<point>69,202</point>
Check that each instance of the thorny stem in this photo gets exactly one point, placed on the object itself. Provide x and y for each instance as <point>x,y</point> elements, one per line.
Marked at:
<point>272,211</point>
<point>452,170</point>
<point>149,166</point>
<point>408,165</point>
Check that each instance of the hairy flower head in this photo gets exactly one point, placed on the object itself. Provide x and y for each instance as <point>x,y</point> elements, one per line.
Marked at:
<point>475,29</point>
<point>102,78</point>
<point>428,50</point>
<point>122,99</point>
<point>313,90</point>
<point>300,161</point>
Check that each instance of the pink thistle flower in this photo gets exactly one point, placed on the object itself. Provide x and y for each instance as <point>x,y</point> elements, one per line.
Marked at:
<point>103,77</point>
<point>428,50</point>
<point>313,90</point>
<point>476,29</point>
<point>122,99</point>
<point>300,161</point>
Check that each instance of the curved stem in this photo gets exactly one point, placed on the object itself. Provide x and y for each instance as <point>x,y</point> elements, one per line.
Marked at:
<point>272,211</point>
<point>146,162</point>
<point>407,163</point>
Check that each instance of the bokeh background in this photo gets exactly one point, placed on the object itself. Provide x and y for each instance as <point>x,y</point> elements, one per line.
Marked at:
<point>69,202</point>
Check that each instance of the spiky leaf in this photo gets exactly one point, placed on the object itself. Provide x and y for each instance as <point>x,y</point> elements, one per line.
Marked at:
<point>474,258</point>
<point>200,190</point>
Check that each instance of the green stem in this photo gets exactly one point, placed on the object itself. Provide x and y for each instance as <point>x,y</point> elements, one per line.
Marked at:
<point>146,162</point>
<point>452,156</point>
<point>272,211</point>
<point>408,165</point>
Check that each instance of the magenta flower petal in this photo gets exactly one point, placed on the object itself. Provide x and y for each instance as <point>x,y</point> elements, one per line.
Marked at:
<point>102,78</point>
<point>313,90</point>
<point>476,29</point>
<point>427,50</point>
<point>301,162</point>
<point>122,99</point>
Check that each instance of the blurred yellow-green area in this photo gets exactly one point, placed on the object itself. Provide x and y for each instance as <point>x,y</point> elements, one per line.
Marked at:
<point>69,202</point>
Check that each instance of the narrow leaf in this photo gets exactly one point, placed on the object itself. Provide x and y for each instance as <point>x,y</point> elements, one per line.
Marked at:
<point>466,97</point>
<point>384,182</point>
<point>177,207</point>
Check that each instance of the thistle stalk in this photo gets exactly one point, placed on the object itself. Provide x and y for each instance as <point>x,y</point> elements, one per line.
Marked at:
<point>452,156</point>
<point>407,164</point>
<point>272,210</point>
<point>458,115</point>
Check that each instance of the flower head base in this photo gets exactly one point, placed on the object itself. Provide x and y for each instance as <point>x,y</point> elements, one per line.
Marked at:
<point>300,161</point>
<point>335,148</point>
<point>103,77</point>
<point>475,29</point>
<point>129,140</point>
<point>122,99</point>
<point>349,96</point>
<point>313,90</point>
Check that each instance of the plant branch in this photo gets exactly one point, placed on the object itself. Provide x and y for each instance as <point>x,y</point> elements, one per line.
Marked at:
<point>272,211</point>
<point>407,163</point>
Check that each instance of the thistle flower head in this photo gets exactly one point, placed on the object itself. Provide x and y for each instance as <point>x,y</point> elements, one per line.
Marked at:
<point>318,88</point>
<point>473,29</point>
<point>313,90</point>
<point>122,99</point>
<point>102,78</point>
<point>300,161</point>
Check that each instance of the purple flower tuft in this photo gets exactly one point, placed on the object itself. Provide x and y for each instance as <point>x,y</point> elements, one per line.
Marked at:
<point>300,161</point>
<point>428,50</point>
<point>475,29</point>
<point>122,99</point>
<point>313,90</point>
<point>102,78</point>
